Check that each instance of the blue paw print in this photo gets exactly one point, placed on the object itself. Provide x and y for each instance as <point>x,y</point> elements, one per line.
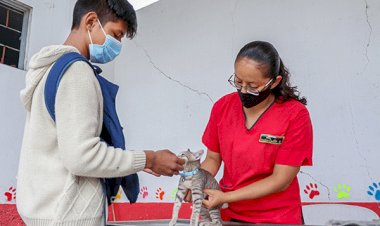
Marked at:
<point>374,190</point>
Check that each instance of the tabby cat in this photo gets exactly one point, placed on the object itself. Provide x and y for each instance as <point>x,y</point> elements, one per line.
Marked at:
<point>196,179</point>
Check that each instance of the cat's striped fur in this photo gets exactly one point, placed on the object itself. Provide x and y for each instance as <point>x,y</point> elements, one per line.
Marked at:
<point>196,183</point>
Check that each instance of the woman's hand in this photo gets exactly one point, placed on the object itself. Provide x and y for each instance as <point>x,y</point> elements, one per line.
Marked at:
<point>215,198</point>
<point>188,196</point>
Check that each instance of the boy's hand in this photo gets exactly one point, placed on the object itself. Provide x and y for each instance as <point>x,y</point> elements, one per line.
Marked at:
<point>146,170</point>
<point>163,162</point>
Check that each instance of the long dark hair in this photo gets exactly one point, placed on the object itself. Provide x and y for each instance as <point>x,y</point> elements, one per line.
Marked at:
<point>265,54</point>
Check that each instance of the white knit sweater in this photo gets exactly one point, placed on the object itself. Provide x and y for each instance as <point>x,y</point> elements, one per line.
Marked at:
<point>61,161</point>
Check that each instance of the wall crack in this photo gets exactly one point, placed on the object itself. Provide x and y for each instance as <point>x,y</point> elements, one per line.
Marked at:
<point>201,93</point>
<point>319,182</point>
<point>369,28</point>
<point>357,146</point>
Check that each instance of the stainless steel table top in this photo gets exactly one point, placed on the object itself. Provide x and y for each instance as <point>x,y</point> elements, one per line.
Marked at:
<point>166,223</point>
<point>183,222</point>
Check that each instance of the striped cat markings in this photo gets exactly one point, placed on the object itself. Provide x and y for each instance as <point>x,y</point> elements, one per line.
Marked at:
<point>196,179</point>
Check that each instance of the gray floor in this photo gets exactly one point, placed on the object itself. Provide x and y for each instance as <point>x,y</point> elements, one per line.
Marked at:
<point>166,223</point>
<point>186,223</point>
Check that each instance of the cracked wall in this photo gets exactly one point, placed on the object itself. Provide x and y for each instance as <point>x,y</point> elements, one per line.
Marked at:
<point>12,80</point>
<point>41,32</point>
<point>178,65</point>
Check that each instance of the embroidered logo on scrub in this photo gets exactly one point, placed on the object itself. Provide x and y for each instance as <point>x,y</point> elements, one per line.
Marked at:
<point>271,139</point>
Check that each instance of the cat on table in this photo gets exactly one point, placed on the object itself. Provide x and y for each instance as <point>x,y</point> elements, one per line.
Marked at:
<point>196,179</point>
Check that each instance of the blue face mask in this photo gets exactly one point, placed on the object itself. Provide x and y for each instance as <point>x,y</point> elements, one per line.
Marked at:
<point>104,53</point>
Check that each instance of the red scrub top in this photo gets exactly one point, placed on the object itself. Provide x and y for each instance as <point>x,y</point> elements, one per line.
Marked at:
<point>282,135</point>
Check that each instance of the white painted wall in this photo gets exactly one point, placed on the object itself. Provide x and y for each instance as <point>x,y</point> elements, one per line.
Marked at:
<point>179,63</point>
<point>12,124</point>
<point>50,23</point>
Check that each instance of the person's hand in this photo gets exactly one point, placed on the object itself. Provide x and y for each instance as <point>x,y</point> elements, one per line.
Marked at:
<point>163,162</point>
<point>188,196</point>
<point>146,170</point>
<point>215,198</point>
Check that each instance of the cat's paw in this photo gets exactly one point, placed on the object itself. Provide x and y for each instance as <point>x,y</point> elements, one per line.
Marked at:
<point>208,223</point>
<point>172,223</point>
<point>203,223</point>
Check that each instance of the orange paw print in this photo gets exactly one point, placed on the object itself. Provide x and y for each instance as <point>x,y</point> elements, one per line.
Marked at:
<point>118,195</point>
<point>160,194</point>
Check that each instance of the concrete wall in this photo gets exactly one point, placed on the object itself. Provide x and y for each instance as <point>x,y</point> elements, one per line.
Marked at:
<point>178,66</point>
<point>12,124</point>
<point>50,23</point>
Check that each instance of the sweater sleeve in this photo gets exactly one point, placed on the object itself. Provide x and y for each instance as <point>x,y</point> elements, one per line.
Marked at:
<point>78,118</point>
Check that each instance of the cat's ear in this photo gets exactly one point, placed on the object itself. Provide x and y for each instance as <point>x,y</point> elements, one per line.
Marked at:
<point>198,154</point>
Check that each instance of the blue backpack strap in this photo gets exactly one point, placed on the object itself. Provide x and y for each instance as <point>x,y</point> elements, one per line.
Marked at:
<point>130,183</point>
<point>55,76</point>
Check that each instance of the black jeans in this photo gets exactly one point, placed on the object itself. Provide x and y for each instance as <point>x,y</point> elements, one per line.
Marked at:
<point>240,221</point>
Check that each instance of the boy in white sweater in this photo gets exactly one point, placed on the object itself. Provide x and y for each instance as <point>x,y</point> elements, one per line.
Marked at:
<point>61,161</point>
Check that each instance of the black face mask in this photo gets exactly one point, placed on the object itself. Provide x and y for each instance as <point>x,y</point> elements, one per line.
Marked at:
<point>249,100</point>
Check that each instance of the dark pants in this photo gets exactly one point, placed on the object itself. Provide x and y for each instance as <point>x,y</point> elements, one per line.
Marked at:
<point>240,221</point>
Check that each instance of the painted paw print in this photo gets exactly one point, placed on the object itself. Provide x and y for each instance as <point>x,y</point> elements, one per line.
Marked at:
<point>144,192</point>
<point>374,190</point>
<point>160,194</point>
<point>10,194</point>
<point>342,191</point>
<point>311,190</point>
<point>174,193</point>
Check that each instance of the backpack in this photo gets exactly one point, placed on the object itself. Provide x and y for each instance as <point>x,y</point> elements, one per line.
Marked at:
<point>112,131</point>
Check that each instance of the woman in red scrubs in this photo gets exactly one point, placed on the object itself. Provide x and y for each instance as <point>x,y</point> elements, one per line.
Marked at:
<point>263,135</point>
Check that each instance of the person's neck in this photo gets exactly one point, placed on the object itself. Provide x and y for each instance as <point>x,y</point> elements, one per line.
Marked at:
<point>261,107</point>
<point>76,40</point>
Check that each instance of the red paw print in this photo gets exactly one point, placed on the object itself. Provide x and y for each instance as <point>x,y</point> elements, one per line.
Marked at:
<point>311,190</point>
<point>10,194</point>
<point>144,192</point>
<point>160,194</point>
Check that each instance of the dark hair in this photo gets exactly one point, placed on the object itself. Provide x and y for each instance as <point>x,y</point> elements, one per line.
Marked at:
<point>265,54</point>
<point>107,10</point>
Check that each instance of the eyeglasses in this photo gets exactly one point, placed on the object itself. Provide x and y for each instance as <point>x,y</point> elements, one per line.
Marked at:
<point>249,89</point>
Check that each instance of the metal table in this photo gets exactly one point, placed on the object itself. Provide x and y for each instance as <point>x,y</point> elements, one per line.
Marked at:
<point>166,223</point>
<point>183,222</point>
